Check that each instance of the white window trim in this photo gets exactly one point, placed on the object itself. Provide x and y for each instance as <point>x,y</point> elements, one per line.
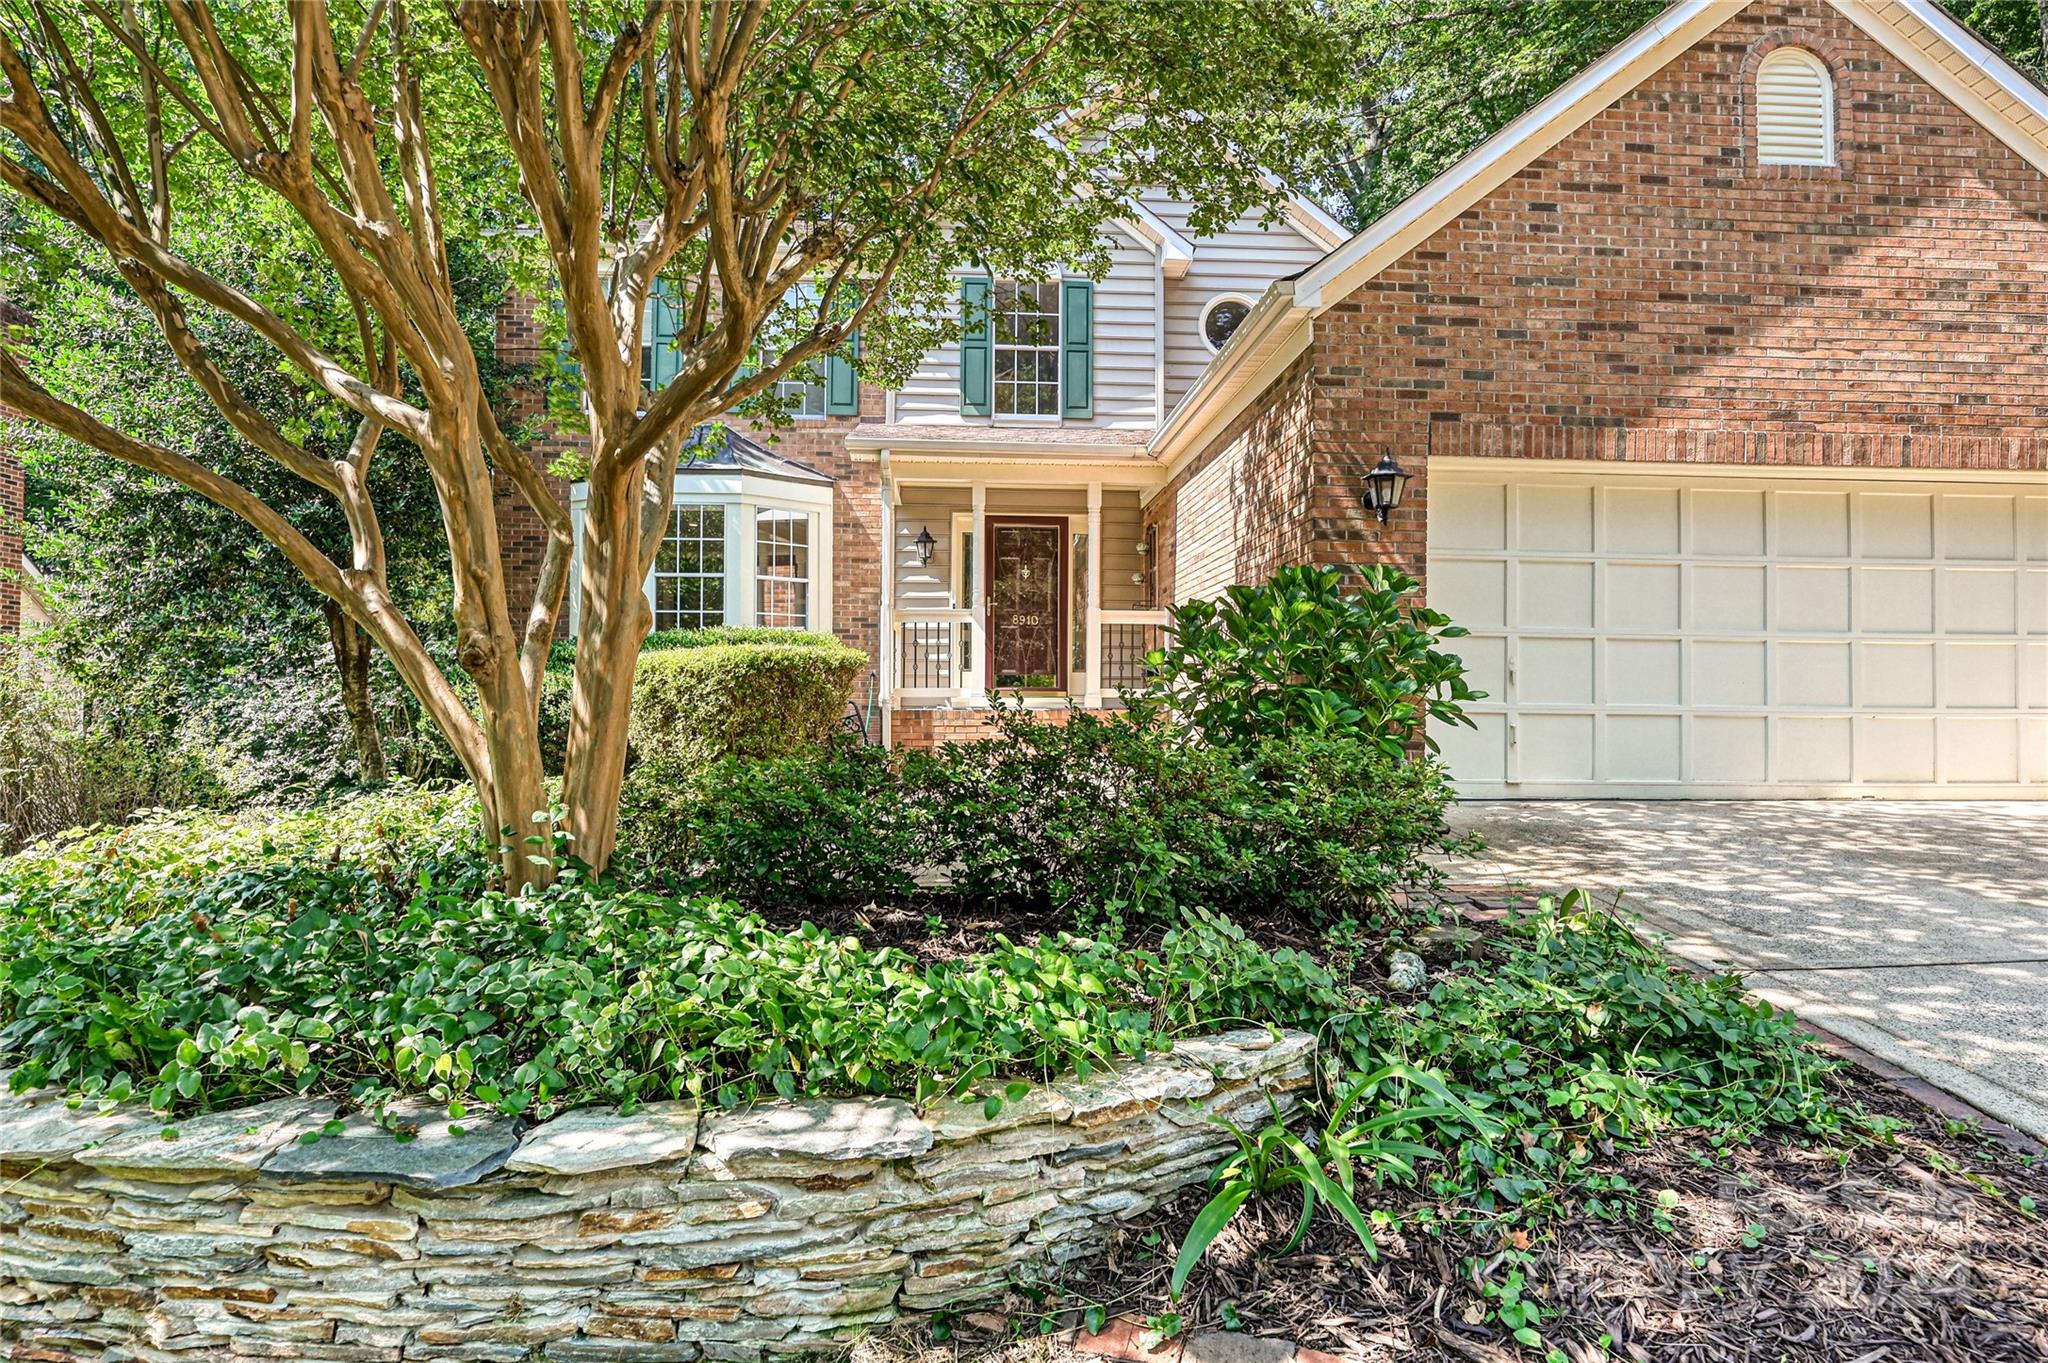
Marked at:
<point>742,495</point>
<point>1812,61</point>
<point>1202,321</point>
<point>819,384</point>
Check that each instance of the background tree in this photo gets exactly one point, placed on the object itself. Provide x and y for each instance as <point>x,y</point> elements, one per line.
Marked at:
<point>174,598</point>
<point>728,150</point>
<point>1438,77</point>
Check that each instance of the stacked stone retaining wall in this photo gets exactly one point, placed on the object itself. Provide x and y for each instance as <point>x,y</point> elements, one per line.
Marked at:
<point>668,1234</point>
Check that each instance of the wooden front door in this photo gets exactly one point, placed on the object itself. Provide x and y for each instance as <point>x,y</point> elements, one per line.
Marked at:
<point>1027,604</point>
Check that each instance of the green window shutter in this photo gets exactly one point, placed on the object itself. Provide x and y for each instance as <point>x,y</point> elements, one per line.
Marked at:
<point>842,383</point>
<point>663,359</point>
<point>1077,348</point>
<point>976,377</point>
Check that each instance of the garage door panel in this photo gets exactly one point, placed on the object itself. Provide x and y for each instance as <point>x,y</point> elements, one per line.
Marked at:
<point>2033,602</point>
<point>1980,601</point>
<point>1896,676</point>
<point>1731,749</point>
<point>1975,526</point>
<point>1815,674</point>
<point>1980,676</point>
<point>1812,524</point>
<point>1728,634</point>
<point>1468,516</point>
<point>1479,753</point>
<point>1896,750</point>
<point>1641,597</point>
<point>1980,750</point>
<point>1727,598</point>
<point>1640,520</point>
<point>1813,751</point>
<point>1555,747</point>
<point>1645,672</point>
<point>1645,748</point>
<point>1556,595</point>
<point>2033,518</point>
<point>1555,519</point>
<point>1486,665</point>
<point>1895,600</point>
<point>1897,524</point>
<point>1812,600</point>
<point>1475,594</point>
<point>1555,671</point>
<point>1726,522</point>
<point>1730,672</point>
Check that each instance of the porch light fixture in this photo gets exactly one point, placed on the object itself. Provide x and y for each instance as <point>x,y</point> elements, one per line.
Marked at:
<point>1143,547</point>
<point>925,544</point>
<point>1384,486</point>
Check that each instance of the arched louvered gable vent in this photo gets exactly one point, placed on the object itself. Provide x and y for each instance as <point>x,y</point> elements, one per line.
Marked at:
<point>1795,110</point>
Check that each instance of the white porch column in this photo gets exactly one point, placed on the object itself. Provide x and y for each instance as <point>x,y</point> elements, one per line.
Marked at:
<point>885,626</point>
<point>974,681</point>
<point>1093,698</point>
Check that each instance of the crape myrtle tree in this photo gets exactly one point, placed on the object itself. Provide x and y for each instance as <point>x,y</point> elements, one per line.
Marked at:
<point>790,174</point>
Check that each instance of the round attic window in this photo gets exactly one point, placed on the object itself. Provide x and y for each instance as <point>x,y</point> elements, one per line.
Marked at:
<point>1220,319</point>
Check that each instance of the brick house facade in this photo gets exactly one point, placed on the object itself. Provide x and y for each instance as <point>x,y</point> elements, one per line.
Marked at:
<point>1640,296</point>
<point>11,505</point>
<point>1645,378</point>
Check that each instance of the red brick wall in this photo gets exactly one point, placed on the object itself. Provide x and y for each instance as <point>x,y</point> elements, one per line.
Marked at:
<point>818,442</point>
<point>1646,292</point>
<point>1235,512</point>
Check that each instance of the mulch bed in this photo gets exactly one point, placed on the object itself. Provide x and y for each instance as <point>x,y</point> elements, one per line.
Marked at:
<point>1898,1254</point>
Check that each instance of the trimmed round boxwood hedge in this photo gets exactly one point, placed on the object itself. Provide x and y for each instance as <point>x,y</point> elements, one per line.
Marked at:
<point>744,691</point>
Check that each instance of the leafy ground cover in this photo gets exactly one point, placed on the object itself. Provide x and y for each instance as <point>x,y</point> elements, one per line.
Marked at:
<point>1749,1198</point>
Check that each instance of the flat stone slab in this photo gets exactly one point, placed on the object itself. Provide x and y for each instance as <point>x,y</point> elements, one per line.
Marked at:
<point>219,1143</point>
<point>593,1139</point>
<point>824,1131</point>
<point>1248,1051</point>
<point>1112,1095</point>
<point>960,1119</point>
<point>434,1155</point>
<point>53,1131</point>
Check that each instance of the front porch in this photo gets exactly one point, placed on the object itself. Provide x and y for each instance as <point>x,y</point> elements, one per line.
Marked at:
<point>1024,582</point>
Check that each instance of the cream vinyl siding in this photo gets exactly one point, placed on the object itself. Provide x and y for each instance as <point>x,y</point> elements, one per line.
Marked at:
<point>1745,635</point>
<point>1242,260</point>
<point>1126,339</point>
<point>1795,110</point>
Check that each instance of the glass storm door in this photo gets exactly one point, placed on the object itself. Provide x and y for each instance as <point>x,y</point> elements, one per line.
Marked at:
<point>1026,604</point>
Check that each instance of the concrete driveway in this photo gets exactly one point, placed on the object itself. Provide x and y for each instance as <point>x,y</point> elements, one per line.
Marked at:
<point>1918,931</point>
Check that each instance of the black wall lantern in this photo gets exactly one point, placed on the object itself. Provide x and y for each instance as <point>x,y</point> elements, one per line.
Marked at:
<point>925,544</point>
<point>1384,486</point>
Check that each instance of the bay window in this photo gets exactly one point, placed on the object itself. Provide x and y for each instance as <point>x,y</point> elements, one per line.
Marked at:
<point>749,542</point>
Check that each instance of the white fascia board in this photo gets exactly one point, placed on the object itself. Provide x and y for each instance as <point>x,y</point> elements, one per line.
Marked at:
<point>2018,118</point>
<point>1269,338</point>
<point>1175,251</point>
<point>1485,168</point>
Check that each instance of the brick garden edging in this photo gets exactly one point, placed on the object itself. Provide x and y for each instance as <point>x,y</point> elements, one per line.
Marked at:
<point>666,1235</point>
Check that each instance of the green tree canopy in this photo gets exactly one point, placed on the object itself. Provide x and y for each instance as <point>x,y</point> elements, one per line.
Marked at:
<point>725,152</point>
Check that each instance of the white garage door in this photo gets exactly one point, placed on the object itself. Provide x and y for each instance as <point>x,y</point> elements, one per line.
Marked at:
<point>1745,635</point>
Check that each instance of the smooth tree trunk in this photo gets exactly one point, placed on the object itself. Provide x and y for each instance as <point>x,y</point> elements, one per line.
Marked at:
<point>353,655</point>
<point>613,622</point>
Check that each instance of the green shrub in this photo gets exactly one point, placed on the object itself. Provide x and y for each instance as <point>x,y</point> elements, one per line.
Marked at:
<point>1303,653</point>
<point>824,827</point>
<point>356,950</point>
<point>557,681</point>
<point>1094,819</point>
<point>692,706</point>
<point>72,756</point>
